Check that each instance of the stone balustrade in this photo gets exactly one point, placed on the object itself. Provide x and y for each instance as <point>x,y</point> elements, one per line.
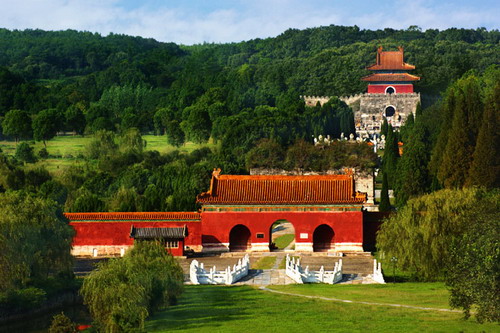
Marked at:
<point>199,275</point>
<point>377,272</point>
<point>300,275</point>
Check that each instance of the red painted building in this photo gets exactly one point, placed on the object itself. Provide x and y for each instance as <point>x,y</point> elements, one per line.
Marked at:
<point>111,234</point>
<point>390,74</point>
<point>237,214</point>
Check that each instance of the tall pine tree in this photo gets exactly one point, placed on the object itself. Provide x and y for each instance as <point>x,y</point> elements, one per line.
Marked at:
<point>454,168</point>
<point>485,167</point>
<point>385,204</point>
<point>391,154</point>
<point>447,111</point>
<point>412,173</point>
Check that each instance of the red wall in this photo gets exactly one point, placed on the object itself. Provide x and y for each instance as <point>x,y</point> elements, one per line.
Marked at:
<point>380,88</point>
<point>348,226</point>
<point>118,233</point>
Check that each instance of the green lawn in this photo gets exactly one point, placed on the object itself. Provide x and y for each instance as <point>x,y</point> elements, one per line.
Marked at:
<point>69,150</point>
<point>264,263</point>
<point>246,309</point>
<point>283,240</point>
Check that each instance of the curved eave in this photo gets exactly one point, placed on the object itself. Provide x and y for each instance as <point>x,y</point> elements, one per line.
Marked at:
<point>404,67</point>
<point>134,216</point>
<point>387,78</point>
<point>287,203</point>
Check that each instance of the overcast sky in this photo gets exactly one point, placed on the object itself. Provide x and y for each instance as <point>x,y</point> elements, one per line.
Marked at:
<point>191,22</point>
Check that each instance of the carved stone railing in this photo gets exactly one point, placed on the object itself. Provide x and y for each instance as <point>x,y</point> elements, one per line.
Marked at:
<point>199,275</point>
<point>300,275</point>
<point>377,272</point>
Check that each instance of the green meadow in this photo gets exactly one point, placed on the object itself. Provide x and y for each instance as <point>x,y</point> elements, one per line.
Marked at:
<point>248,309</point>
<point>69,150</point>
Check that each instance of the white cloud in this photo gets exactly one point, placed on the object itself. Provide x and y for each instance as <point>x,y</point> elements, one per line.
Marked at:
<point>242,21</point>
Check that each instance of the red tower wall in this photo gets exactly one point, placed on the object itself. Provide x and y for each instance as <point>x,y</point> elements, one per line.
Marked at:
<point>380,88</point>
<point>347,226</point>
<point>110,237</point>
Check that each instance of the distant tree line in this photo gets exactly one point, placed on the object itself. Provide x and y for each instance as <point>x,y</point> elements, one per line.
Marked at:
<point>91,83</point>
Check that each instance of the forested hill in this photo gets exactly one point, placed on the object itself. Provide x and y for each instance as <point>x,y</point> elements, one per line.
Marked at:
<point>116,82</point>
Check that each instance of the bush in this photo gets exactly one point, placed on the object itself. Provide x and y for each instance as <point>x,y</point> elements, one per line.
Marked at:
<point>43,153</point>
<point>122,292</point>
<point>22,299</point>
<point>24,153</point>
<point>62,324</point>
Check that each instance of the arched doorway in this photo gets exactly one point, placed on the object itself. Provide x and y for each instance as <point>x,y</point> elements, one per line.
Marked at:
<point>390,90</point>
<point>323,238</point>
<point>389,111</point>
<point>239,238</point>
<point>281,236</point>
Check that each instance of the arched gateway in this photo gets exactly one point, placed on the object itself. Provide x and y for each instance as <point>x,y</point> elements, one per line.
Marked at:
<point>236,214</point>
<point>239,238</point>
<point>259,201</point>
<point>323,238</point>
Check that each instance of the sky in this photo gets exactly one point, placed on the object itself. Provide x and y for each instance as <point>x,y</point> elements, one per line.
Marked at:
<point>219,21</point>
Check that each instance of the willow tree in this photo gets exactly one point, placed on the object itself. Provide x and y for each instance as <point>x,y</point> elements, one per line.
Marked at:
<point>420,234</point>
<point>122,292</point>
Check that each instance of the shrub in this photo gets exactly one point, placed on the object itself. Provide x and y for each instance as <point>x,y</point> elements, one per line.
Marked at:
<point>62,324</point>
<point>122,292</point>
<point>43,153</point>
<point>24,152</point>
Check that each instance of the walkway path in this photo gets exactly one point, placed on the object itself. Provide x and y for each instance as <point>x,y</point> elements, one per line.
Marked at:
<point>265,277</point>
<point>359,302</point>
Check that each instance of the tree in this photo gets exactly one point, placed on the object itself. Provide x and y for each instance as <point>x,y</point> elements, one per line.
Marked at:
<point>85,202</point>
<point>175,135</point>
<point>384,128</point>
<point>391,154</point>
<point>267,154</point>
<point>62,324</point>
<point>121,293</point>
<point>412,177</point>
<point>197,125</point>
<point>46,125</point>
<point>447,111</point>
<point>485,167</point>
<point>457,156</point>
<point>24,152</point>
<point>75,119</point>
<point>35,241</point>
<point>131,140</point>
<point>474,267</point>
<point>17,123</point>
<point>421,232</point>
<point>385,204</point>
<point>125,200</point>
<point>103,144</point>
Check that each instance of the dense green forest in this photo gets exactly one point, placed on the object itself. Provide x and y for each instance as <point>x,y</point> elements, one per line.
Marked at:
<point>118,87</point>
<point>117,82</point>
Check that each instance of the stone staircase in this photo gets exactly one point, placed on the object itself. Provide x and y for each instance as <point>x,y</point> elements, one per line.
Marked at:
<point>356,267</point>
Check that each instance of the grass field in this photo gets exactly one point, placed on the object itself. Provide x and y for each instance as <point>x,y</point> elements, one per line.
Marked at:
<point>284,240</point>
<point>246,309</point>
<point>69,150</point>
<point>264,263</point>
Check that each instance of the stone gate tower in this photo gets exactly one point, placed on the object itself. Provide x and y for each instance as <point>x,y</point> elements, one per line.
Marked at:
<point>390,94</point>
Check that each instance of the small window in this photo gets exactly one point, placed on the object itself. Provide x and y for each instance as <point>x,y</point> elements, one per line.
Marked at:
<point>171,244</point>
<point>260,235</point>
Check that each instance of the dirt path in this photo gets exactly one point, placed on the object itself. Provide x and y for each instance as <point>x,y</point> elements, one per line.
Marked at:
<point>359,302</point>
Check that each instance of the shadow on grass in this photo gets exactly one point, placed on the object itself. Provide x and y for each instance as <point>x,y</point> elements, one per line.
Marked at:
<point>206,307</point>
